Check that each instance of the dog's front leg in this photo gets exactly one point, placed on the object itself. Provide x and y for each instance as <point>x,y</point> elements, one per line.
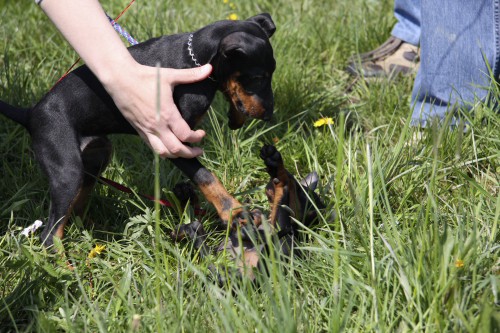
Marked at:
<point>281,189</point>
<point>229,209</point>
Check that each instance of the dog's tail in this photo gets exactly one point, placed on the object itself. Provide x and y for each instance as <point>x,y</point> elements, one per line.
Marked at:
<point>19,115</point>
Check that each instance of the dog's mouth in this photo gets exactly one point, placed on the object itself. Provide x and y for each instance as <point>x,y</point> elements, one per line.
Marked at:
<point>244,105</point>
<point>240,109</point>
<point>236,118</point>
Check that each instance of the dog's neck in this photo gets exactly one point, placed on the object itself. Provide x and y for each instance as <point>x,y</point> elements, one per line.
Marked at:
<point>203,47</point>
<point>191,52</point>
<point>193,56</point>
<point>199,51</point>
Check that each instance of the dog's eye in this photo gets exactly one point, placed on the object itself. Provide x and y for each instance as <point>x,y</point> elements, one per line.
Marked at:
<point>253,83</point>
<point>258,78</point>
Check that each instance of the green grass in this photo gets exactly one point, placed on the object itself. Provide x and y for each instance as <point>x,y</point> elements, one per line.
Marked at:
<point>384,258</point>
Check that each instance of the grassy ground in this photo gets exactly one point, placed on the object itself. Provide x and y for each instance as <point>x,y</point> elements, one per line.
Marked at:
<point>414,245</point>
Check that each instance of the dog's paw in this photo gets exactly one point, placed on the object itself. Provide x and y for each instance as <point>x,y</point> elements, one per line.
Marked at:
<point>190,231</point>
<point>271,157</point>
<point>248,222</point>
<point>244,218</point>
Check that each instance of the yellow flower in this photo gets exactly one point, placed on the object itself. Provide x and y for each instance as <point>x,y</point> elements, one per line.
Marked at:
<point>226,1</point>
<point>232,5</point>
<point>459,263</point>
<point>323,121</point>
<point>233,17</point>
<point>98,249</point>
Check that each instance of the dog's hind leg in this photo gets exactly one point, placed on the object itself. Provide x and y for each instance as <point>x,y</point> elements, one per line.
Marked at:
<point>96,153</point>
<point>65,181</point>
<point>61,159</point>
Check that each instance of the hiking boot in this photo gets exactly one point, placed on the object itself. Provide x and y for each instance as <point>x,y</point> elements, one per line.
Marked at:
<point>390,59</point>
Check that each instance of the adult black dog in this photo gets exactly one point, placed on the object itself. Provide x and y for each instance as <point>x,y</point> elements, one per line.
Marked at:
<point>70,123</point>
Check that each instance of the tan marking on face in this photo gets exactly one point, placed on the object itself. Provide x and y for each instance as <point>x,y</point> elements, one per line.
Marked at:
<point>236,118</point>
<point>236,94</point>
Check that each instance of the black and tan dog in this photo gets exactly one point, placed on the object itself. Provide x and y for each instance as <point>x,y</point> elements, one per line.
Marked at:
<point>289,199</point>
<point>70,123</point>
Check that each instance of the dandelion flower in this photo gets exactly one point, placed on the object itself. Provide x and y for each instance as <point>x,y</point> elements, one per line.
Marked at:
<point>98,249</point>
<point>226,1</point>
<point>323,121</point>
<point>233,17</point>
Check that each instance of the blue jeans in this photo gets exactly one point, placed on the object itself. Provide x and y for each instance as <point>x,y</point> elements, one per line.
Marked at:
<point>407,12</point>
<point>459,39</point>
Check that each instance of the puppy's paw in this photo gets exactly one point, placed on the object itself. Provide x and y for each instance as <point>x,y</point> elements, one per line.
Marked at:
<point>190,231</point>
<point>248,223</point>
<point>244,218</point>
<point>271,157</point>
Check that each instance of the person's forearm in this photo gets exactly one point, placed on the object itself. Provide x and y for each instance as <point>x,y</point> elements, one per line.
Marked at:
<point>132,86</point>
<point>93,39</point>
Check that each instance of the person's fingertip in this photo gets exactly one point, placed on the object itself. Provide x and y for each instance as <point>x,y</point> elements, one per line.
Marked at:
<point>193,152</point>
<point>206,69</point>
<point>197,151</point>
<point>195,136</point>
<point>200,133</point>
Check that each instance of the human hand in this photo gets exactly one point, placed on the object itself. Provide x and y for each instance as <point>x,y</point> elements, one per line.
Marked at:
<point>135,95</point>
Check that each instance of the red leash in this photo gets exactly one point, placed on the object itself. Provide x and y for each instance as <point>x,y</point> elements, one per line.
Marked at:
<point>165,203</point>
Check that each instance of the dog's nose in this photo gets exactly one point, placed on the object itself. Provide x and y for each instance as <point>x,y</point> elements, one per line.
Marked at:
<point>268,114</point>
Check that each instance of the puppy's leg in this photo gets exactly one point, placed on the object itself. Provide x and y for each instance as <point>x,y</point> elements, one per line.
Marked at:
<point>288,198</point>
<point>280,189</point>
<point>58,153</point>
<point>228,208</point>
<point>96,153</point>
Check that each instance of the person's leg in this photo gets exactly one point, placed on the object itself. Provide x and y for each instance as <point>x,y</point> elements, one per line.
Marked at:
<point>455,50</point>
<point>407,12</point>
<point>399,54</point>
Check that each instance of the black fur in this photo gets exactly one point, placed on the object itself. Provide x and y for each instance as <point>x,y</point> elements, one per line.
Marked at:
<point>69,123</point>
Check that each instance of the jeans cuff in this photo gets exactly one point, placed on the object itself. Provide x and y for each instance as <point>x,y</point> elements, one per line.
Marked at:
<point>406,35</point>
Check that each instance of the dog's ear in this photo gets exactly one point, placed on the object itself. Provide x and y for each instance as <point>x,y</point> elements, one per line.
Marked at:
<point>265,21</point>
<point>310,181</point>
<point>231,45</point>
<point>230,50</point>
